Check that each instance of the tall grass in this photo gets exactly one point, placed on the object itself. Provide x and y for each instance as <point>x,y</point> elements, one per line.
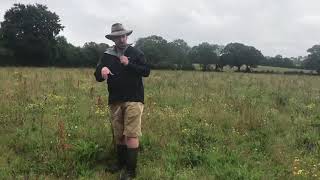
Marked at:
<point>196,125</point>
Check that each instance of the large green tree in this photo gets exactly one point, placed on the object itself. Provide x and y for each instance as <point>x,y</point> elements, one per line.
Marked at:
<point>6,55</point>
<point>253,57</point>
<point>92,51</point>
<point>205,54</point>
<point>66,54</point>
<point>178,54</point>
<point>237,55</point>
<point>155,49</point>
<point>30,31</point>
<point>313,60</point>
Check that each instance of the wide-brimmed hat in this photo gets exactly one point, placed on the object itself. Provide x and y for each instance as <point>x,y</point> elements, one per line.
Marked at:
<point>117,29</point>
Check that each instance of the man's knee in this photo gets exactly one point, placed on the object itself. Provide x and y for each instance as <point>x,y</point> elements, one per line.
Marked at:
<point>133,142</point>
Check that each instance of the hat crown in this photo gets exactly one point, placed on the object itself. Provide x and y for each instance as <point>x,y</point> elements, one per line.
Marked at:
<point>117,27</point>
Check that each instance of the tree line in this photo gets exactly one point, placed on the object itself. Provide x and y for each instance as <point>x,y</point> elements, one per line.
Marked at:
<point>29,36</point>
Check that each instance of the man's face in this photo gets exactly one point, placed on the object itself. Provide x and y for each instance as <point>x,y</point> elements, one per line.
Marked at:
<point>120,41</point>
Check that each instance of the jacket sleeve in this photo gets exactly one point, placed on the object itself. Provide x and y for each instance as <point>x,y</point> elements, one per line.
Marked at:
<point>140,66</point>
<point>100,65</point>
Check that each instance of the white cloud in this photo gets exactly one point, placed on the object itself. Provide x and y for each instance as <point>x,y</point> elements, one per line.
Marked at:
<point>313,20</point>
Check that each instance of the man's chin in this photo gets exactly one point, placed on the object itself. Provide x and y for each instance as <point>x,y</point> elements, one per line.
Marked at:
<point>122,46</point>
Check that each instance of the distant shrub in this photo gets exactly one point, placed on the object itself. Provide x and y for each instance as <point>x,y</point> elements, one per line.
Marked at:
<point>188,67</point>
<point>164,65</point>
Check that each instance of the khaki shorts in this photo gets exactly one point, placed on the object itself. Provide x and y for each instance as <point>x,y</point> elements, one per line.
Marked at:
<point>126,119</point>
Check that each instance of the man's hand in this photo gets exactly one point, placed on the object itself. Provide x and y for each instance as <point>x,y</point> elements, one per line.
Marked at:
<point>124,60</point>
<point>105,72</point>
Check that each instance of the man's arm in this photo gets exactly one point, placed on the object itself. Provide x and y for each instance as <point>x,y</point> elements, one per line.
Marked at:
<point>101,72</point>
<point>140,67</point>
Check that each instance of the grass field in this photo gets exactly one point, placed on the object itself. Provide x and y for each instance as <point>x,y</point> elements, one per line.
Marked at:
<point>196,125</point>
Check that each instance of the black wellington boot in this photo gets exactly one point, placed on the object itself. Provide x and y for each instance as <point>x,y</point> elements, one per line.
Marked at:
<point>121,160</point>
<point>131,165</point>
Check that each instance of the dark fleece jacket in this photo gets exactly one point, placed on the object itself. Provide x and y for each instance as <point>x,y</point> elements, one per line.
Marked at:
<point>126,84</point>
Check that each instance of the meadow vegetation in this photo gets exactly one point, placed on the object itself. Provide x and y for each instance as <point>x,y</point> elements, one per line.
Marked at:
<point>196,125</point>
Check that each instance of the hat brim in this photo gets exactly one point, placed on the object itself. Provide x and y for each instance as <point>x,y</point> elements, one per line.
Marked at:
<point>118,33</point>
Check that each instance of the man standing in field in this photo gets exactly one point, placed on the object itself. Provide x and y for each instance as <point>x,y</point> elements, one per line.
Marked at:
<point>123,67</point>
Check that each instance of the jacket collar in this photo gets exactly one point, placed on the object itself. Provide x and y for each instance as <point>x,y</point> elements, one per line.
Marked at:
<point>114,52</point>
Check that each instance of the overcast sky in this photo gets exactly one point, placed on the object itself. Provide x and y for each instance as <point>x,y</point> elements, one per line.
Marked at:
<point>286,27</point>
